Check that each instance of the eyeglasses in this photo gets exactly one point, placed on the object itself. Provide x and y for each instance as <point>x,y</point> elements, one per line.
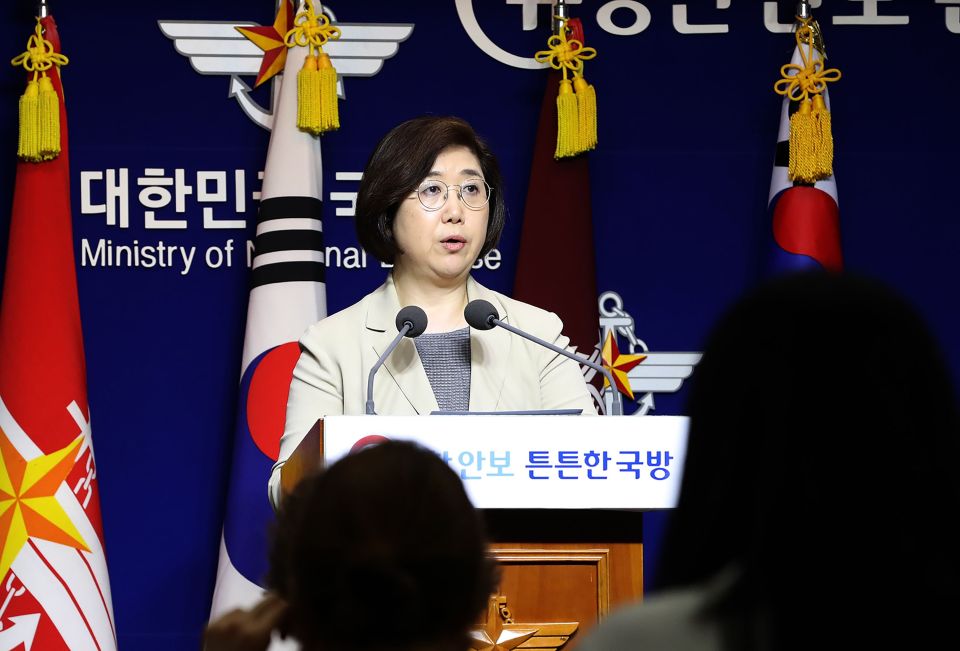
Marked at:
<point>474,193</point>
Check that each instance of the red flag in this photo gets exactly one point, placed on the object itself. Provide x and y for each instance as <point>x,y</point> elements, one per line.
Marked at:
<point>54,589</point>
<point>555,264</point>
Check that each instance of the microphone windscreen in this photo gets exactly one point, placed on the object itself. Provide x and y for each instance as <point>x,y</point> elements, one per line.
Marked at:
<point>416,317</point>
<point>479,313</point>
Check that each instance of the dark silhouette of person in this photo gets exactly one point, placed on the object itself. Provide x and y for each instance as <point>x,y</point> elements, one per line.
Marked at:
<point>381,551</point>
<point>820,492</point>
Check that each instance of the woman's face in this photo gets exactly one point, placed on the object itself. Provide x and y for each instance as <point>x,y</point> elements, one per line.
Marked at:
<point>441,245</point>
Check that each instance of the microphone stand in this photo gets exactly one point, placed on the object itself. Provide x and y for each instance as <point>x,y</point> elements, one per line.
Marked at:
<point>616,405</point>
<point>407,327</point>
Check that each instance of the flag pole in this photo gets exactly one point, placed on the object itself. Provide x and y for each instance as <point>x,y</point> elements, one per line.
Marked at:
<point>559,15</point>
<point>42,10</point>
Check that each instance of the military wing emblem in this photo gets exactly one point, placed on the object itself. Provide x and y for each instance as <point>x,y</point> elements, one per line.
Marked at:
<point>219,48</point>
<point>640,373</point>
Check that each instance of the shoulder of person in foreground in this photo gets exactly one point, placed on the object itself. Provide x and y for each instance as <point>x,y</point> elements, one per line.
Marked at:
<point>670,621</point>
<point>247,629</point>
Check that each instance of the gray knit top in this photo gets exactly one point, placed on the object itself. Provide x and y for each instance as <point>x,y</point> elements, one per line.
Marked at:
<point>446,359</point>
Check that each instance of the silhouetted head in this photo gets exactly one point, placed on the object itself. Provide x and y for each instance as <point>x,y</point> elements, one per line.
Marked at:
<point>821,455</point>
<point>383,550</point>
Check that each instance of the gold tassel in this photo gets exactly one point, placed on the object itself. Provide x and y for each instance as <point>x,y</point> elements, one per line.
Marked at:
<point>823,138</point>
<point>587,113</point>
<point>39,137</point>
<point>308,96</point>
<point>811,137</point>
<point>28,147</point>
<point>576,111</point>
<point>803,152</point>
<point>329,104</point>
<point>317,108</point>
<point>568,124</point>
<point>49,120</point>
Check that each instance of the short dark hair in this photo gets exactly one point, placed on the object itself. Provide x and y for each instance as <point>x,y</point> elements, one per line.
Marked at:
<point>794,482</point>
<point>401,160</point>
<point>382,549</point>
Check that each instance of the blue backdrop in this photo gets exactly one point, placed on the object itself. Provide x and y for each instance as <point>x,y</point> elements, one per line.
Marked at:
<point>687,133</point>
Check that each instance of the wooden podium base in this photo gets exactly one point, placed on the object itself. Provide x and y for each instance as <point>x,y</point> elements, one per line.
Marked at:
<point>564,567</point>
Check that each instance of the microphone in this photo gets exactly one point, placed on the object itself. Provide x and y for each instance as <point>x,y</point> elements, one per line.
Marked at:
<point>482,315</point>
<point>411,322</point>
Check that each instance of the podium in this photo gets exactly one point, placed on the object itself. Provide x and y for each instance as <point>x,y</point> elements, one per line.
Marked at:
<point>562,497</point>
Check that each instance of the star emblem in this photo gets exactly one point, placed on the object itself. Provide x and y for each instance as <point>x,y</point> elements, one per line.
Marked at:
<point>494,637</point>
<point>619,365</point>
<point>271,39</point>
<point>28,506</point>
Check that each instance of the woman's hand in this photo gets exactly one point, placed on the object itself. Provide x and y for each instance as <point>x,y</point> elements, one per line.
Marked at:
<point>247,630</point>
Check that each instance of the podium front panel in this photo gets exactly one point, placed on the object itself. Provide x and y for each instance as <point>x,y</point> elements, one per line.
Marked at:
<point>539,462</point>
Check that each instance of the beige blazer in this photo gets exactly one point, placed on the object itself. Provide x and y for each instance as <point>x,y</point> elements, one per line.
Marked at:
<point>507,372</point>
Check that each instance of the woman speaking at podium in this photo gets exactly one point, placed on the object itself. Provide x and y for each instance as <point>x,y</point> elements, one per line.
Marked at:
<point>430,203</point>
